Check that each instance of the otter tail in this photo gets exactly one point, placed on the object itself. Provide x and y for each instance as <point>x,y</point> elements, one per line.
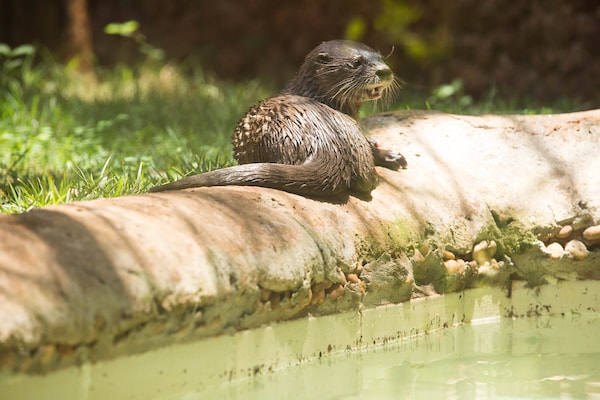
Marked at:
<point>309,179</point>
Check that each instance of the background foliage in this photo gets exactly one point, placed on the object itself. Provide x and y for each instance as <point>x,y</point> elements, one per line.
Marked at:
<point>537,48</point>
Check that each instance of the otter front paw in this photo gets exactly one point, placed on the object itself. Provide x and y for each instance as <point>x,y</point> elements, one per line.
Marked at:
<point>387,158</point>
<point>390,159</point>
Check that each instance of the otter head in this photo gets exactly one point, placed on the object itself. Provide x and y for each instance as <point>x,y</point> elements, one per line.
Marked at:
<point>342,74</point>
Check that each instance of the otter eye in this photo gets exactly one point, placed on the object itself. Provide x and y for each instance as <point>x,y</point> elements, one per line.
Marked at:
<point>324,57</point>
<point>357,62</point>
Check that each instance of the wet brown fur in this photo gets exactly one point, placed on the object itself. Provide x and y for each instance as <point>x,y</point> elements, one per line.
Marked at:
<point>306,140</point>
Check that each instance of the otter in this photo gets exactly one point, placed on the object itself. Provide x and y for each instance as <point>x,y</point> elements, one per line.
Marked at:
<point>306,140</point>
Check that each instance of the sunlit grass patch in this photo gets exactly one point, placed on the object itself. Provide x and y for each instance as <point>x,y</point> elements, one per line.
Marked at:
<point>68,136</point>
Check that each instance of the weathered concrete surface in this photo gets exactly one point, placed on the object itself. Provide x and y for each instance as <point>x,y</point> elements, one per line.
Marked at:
<point>96,279</point>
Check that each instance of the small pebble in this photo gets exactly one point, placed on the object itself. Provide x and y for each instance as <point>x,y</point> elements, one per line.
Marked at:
<point>565,232</point>
<point>452,266</point>
<point>318,294</point>
<point>494,264</point>
<point>462,265</point>
<point>592,233</point>
<point>555,250</point>
<point>487,270</point>
<point>363,287</point>
<point>265,295</point>
<point>484,251</point>
<point>47,354</point>
<point>359,268</point>
<point>343,279</point>
<point>577,249</point>
<point>448,255</point>
<point>336,291</point>
<point>274,299</point>
<point>352,278</point>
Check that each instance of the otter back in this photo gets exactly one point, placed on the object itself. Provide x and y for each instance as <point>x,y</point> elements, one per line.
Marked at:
<point>298,130</point>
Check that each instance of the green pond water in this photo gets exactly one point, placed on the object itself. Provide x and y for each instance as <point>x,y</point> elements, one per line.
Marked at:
<point>543,357</point>
<point>526,358</point>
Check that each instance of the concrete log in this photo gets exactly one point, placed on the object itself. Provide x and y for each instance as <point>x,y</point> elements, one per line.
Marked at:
<point>93,280</point>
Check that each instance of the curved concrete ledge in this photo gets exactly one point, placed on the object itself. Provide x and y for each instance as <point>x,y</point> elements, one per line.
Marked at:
<point>482,202</point>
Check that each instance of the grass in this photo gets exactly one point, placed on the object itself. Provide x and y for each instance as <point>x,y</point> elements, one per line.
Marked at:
<point>68,136</point>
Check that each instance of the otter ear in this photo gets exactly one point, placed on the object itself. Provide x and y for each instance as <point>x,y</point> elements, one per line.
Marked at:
<point>324,57</point>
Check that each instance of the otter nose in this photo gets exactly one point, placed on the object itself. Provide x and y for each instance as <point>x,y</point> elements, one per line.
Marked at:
<point>383,72</point>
